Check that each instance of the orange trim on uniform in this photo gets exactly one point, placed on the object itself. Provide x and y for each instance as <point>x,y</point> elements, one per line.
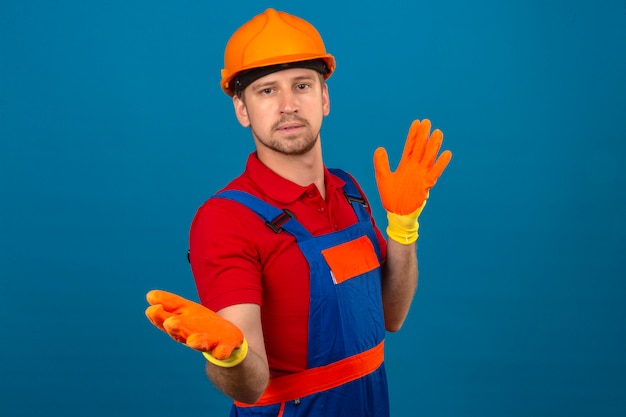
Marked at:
<point>351,259</point>
<point>323,378</point>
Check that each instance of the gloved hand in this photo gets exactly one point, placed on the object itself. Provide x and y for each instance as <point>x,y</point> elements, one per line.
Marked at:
<point>219,340</point>
<point>404,192</point>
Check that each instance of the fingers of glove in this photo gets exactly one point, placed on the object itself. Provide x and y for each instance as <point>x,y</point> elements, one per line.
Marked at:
<point>381,163</point>
<point>170,302</point>
<point>383,176</point>
<point>176,328</point>
<point>201,342</point>
<point>435,172</point>
<point>157,315</point>
<point>411,146</point>
<point>420,143</point>
<point>432,148</point>
<point>222,351</point>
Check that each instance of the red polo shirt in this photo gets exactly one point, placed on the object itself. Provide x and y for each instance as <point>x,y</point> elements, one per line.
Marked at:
<point>236,258</point>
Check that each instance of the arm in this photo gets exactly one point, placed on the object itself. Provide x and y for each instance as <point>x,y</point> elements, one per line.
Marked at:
<point>226,267</point>
<point>399,283</point>
<point>403,194</point>
<point>246,381</point>
<point>232,341</point>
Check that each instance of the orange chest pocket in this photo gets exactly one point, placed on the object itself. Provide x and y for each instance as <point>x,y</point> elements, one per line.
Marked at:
<point>351,259</point>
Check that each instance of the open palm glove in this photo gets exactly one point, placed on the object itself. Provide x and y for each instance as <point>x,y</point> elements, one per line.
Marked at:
<point>190,323</point>
<point>404,192</point>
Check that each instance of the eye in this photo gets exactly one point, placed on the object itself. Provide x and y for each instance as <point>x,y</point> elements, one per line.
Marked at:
<point>266,91</point>
<point>302,86</point>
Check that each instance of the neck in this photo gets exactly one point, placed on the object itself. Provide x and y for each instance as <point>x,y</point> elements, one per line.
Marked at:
<point>303,169</point>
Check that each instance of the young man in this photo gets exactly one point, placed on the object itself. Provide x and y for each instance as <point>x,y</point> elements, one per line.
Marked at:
<point>296,282</point>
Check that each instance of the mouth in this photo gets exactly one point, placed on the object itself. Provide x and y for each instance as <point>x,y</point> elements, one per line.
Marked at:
<point>289,127</point>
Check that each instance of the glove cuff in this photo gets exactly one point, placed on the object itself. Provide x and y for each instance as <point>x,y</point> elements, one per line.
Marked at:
<point>403,228</point>
<point>235,358</point>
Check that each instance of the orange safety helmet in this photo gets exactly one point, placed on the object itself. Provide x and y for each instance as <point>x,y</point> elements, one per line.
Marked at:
<point>273,38</point>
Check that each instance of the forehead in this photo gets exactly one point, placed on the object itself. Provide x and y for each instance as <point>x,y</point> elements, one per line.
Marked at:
<point>287,75</point>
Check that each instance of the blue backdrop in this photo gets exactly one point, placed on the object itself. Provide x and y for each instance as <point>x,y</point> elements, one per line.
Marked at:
<point>113,130</point>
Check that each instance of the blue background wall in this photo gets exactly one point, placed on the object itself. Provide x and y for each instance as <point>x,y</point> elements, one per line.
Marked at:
<point>113,130</point>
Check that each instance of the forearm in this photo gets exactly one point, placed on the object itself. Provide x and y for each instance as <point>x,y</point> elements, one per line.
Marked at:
<point>399,283</point>
<point>244,382</point>
<point>231,340</point>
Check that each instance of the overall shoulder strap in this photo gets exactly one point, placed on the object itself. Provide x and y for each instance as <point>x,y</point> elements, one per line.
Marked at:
<point>352,193</point>
<point>274,218</point>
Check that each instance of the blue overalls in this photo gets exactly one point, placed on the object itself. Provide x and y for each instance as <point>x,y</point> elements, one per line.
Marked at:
<point>345,320</point>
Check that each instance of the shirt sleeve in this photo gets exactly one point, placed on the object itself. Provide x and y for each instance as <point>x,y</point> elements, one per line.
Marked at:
<point>224,261</point>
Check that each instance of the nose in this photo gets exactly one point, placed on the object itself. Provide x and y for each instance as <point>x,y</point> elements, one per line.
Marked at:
<point>288,102</point>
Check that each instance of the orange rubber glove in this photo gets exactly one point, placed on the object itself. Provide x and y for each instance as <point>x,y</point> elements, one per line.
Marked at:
<point>404,192</point>
<point>219,340</point>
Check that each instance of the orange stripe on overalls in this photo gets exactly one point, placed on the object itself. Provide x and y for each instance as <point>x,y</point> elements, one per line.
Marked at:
<point>314,380</point>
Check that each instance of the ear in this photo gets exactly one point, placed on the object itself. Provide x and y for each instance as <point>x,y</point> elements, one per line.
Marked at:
<point>325,100</point>
<point>241,111</point>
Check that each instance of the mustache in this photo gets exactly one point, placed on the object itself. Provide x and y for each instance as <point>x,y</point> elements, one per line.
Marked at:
<point>290,118</point>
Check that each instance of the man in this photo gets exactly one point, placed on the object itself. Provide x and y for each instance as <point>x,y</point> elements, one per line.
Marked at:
<point>297,284</point>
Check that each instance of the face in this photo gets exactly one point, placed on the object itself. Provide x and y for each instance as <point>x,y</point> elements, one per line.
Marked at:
<point>284,110</point>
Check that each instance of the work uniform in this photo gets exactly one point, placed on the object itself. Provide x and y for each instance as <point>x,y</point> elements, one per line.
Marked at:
<point>338,369</point>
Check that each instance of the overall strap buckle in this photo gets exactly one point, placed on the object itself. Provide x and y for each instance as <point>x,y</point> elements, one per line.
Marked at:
<point>352,199</point>
<point>278,222</point>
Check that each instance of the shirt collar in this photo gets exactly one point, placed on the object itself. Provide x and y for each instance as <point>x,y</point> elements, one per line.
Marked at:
<point>282,190</point>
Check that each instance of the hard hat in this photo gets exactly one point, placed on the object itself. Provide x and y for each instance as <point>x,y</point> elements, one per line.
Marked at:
<point>269,39</point>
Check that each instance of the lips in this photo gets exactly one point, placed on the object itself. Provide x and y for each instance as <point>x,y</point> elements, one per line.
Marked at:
<point>290,126</point>
<point>290,123</point>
